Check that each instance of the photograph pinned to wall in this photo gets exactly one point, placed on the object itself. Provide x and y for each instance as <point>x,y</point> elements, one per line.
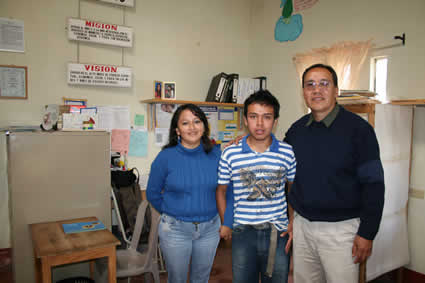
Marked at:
<point>164,113</point>
<point>169,90</point>
<point>12,35</point>
<point>157,89</point>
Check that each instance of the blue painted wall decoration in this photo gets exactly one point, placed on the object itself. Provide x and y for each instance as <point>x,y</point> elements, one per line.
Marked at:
<point>288,26</point>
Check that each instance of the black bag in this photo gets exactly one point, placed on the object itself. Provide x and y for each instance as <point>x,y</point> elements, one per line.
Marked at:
<point>124,178</point>
<point>127,191</point>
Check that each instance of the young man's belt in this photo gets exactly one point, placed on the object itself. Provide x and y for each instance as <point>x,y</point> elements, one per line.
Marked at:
<point>261,226</point>
<point>272,245</point>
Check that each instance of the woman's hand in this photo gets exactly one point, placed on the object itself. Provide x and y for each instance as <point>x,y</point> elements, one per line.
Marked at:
<point>225,232</point>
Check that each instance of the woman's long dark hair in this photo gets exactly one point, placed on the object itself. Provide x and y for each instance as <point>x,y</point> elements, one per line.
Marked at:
<point>173,137</point>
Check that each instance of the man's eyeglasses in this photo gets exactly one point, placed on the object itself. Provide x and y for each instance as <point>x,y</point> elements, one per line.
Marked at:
<point>323,84</point>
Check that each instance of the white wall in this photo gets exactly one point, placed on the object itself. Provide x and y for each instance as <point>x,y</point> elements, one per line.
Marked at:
<point>332,21</point>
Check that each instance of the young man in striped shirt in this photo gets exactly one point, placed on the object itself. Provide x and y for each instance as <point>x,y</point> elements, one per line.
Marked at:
<point>259,167</point>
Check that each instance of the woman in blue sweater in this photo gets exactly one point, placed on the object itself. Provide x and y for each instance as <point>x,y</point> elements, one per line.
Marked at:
<point>181,186</point>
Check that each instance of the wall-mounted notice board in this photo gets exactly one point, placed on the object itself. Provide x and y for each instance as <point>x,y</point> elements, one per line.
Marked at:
<point>13,82</point>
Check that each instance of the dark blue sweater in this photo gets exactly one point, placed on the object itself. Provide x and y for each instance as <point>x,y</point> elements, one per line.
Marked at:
<point>182,183</point>
<point>339,171</point>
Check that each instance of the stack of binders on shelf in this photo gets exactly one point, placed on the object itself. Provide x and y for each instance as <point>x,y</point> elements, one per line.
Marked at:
<point>229,88</point>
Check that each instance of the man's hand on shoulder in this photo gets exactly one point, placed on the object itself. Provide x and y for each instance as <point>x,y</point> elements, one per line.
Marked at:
<point>234,141</point>
<point>362,249</point>
<point>225,232</point>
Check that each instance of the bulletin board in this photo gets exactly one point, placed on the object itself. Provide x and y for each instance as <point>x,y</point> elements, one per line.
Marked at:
<point>13,82</point>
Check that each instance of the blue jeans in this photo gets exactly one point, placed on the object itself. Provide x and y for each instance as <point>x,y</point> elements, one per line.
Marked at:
<point>250,250</point>
<point>183,243</point>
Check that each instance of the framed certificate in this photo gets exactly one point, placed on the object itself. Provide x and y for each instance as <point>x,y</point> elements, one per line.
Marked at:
<point>13,82</point>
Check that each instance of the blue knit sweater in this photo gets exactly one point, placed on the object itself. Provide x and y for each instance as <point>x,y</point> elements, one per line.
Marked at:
<point>339,171</point>
<point>182,183</point>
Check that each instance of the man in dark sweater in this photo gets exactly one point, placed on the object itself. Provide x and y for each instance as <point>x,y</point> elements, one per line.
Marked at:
<point>338,192</point>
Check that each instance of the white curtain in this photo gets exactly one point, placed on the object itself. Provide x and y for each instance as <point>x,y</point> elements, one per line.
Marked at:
<point>347,59</point>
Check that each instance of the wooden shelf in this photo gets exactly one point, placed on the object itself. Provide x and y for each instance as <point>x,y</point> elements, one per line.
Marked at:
<point>408,102</point>
<point>356,100</point>
<point>167,101</point>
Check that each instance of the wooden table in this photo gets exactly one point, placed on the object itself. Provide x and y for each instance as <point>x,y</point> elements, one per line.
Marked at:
<point>52,247</point>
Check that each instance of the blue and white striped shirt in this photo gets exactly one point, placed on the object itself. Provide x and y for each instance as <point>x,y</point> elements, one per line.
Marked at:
<point>258,182</point>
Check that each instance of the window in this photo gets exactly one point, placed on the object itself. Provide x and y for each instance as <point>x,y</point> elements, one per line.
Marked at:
<point>378,77</point>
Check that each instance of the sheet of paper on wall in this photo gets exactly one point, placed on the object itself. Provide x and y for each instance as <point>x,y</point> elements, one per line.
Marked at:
<point>212,116</point>
<point>121,117</point>
<point>72,121</point>
<point>113,117</point>
<point>226,113</point>
<point>138,143</point>
<point>227,124</point>
<point>89,110</point>
<point>12,35</point>
<point>231,127</point>
<point>139,121</point>
<point>164,113</point>
<point>161,136</point>
<point>120,140</point>
<point>226,136</point>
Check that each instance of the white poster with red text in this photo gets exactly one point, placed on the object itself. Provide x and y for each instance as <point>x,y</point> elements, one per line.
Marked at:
<point>92,31</point>
<point>99,75</point>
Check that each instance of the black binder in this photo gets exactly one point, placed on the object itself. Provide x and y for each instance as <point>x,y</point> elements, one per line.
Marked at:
<point>218,83</point>
<point>232,90</point>
<point>223,97</point>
